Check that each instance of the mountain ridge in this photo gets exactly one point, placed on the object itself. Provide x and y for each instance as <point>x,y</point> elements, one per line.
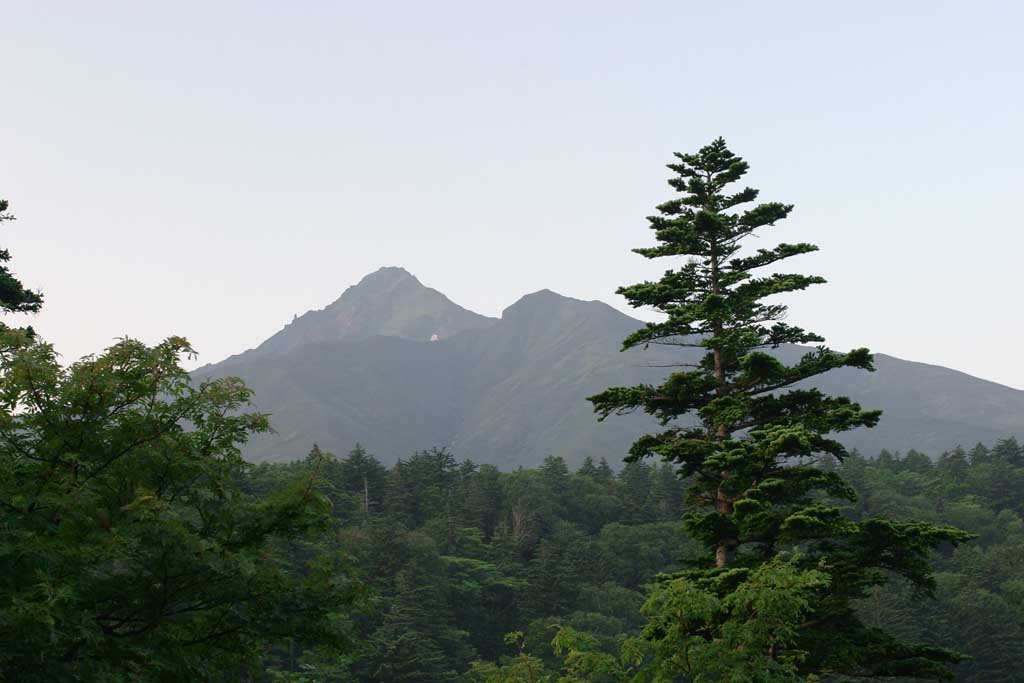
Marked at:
<point>512,390</point>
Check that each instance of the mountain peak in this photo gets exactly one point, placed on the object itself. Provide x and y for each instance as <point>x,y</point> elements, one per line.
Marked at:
<point>541,300</point>
<point>391,302</point>
<point>383,284</point>
<point>545,303</point>
<point>387,275</point>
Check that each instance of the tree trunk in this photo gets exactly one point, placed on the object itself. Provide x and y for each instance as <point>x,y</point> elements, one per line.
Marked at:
<point>723,503</point>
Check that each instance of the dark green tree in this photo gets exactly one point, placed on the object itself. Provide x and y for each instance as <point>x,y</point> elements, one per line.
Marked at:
<point>667,491</point>
<point>954,464</point>
<point>404,648</point>
<point>749,438</point>
<point>588,468</point>
<point>14,298</point>
<point>555,572</point>
<point>416,639</point>
<point>485,499</point>
<point>635,482</point>
<point>421,486</point>
<point>364,478</point>
<point>556,475</point>
<point>1009,451</point>
<point>916,461</point>
<point>604,471</point>
<point>980,454</point>
<point>128,551</point>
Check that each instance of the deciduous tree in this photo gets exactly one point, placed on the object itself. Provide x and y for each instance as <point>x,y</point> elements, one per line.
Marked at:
<point>128,550</point>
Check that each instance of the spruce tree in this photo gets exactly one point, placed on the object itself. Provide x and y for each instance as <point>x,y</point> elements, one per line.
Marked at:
<point>365,478</point>
<point>1007,450</point>
<point>747,431</point>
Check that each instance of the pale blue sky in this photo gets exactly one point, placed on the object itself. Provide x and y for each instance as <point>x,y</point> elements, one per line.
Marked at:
<point>210,169</point>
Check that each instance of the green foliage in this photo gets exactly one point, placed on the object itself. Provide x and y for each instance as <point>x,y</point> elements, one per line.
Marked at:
<point>747,434</point>
<point>584,660</point>
<point>458,555</point>
<point>751,634</point>
<point>14,298</point>
<point>978,607</point>
<point>128,552</point>
<point>522,668</point>
<point>575,593</point>
<point>363,478</point>
<point>445,592</point>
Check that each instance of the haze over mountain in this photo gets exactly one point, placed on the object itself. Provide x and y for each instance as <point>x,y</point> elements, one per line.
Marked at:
<point>399,367</point>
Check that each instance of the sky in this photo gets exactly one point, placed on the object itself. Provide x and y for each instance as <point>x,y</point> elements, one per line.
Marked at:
<point>211,169</point>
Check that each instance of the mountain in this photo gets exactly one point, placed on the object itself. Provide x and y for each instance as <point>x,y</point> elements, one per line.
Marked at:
<point>390,302</point>
<point>399,367</point>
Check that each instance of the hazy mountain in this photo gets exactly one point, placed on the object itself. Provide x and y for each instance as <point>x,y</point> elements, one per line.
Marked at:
<point>512,390</point>
<point>390,302</point>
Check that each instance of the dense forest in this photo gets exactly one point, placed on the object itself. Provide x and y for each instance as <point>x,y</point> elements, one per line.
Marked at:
<point>742,543</point>
<point>460,556</point>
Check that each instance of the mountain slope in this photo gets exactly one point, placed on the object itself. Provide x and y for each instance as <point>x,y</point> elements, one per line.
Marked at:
<point>512,390</point>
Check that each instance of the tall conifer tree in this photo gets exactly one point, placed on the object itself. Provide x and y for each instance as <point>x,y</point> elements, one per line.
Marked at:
<point>741,426</point>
